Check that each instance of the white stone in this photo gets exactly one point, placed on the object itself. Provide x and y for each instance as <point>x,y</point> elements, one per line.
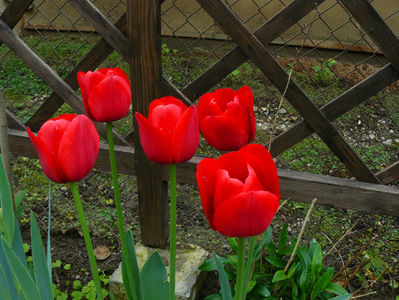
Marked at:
<point>189,278</point>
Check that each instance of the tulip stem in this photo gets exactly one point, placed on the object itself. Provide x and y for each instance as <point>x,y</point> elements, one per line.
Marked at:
<point>249,265</point>
<point>240,269</point>
<point>172,244</point>
<point>119,212</point>
<point>86,236</point>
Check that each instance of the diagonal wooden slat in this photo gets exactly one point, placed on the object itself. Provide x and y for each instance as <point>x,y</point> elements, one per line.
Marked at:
<point>91,61</point>
<point>375,27</point>
<point>47,74</point>
<point>389,174</point>
<point>298,186</point>
<point>14,12</point>
<point>255,50</point>
<point>340,105</point>
<point>281,22</point>
<point>117,40</point>
<point>13,122</point>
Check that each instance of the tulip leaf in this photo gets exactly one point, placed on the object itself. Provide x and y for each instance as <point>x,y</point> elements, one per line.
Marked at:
<point>213,297</point>
<point>343,297</point>
<point>17,245</point>
<point>210,264</point>
<point>130,258</point>
<point>126,282</point>
<point>224,283</point>
<point>21,275</point>
<point>7,214</point>
<point>42,276</point>
<point>49,264</point>
<point>155,279</point>
<point>336,289</point>
<point>322,283</point>
<point>6,269</point>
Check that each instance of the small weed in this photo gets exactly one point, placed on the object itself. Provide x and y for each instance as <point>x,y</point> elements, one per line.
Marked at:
<point>323,73</point>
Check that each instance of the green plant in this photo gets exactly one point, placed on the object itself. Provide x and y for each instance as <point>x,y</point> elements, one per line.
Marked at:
<point>306,278</point>
<point>323,73</point>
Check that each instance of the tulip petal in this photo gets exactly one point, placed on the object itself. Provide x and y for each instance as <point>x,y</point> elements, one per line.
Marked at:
<point>166,101</point>
<point>206,184</point>
<point>87,81</point>
<point>226,187</point>
<point>110,99</point>
<point>185,137</point>
<point>246,98</point>
<point>156,144</point>
<point>223,133</point>
<point>46,159</point>
<point>165,117</point>
<point>246,214</point>
<point>208,107</point>
<point>78,148</point>
<point>262,163</point>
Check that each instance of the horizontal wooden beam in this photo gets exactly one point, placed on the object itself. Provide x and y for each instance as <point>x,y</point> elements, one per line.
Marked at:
<point>389,174</point>
<point>298,186</point>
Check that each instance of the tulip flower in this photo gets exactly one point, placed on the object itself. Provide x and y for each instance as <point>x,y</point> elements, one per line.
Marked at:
<point>239,191</point>
<point>106,94</point>
<point>170,134</point>
<point>227,119</point>
<point>67,146</point>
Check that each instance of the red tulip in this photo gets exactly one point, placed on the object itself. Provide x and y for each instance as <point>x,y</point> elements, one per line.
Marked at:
<point>239,191</point>
<point>106,94</point>
<point>67,147</point>
<point>170,134</point>
<point>227,119</point>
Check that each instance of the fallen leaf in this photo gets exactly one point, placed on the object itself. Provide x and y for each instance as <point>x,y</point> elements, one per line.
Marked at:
<point>102,252</point>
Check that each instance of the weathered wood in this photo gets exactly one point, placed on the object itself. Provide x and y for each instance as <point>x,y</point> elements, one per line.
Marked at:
<point>281,22</point>
<point>13,122</point>
<point>48,75</point>
<point>144,31</point>
<point>91,61</point>
<point>298,186</point>
<point>337,107</point>
<point>21,145</point>
<point>254,49</point>
<point>14,12</point>
<point>375,27</point>
<point>389,174</point>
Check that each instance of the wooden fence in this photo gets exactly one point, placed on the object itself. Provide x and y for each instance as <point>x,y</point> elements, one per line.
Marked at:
<point>136,36</point>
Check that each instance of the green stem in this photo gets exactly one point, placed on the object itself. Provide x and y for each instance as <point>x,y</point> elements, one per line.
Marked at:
<point>172,245</point>
<point>240,268</point>
<point>86,236</point>
<point>119,212</point>
<point>249,266</point>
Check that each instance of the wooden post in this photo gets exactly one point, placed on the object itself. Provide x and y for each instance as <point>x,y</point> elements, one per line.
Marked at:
<point>144,34</point>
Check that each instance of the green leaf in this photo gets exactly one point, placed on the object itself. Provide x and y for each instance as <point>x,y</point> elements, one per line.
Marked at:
<point>224,283</point>
<point>282,240</point>
<point>316,261</point>
<point>214,297</point>
<point>322,283</point>
<point>262,291</point>
<point>335,288</point>
<point>154,278</point>
<point>21,275</point>
<point>304,282</point>
<point>345,297</point>
<point>276,261</point>
<point>304,258</point>
<point>131,258</point>
<point>50,271</point>
<point>42,276</point>
<point>6,206</point>
<point>5,289</point>
<point>279,275</point>
<point>233,244</point>
<point>210,264</point>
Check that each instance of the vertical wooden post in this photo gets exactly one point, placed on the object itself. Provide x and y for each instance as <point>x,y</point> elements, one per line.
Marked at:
<point>144,34</point>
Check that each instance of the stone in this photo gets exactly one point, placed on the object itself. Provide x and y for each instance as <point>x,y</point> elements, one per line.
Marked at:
<point>189,278</point>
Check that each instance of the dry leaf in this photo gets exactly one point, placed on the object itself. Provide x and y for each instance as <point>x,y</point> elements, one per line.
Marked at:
<point>102,252</point>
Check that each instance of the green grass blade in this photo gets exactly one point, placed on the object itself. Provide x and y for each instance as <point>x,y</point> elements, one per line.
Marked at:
<point>155,279</point>
<point>42,276</point>
<point>6,205</point>
<point>135,286</point>
<point>21,275</point>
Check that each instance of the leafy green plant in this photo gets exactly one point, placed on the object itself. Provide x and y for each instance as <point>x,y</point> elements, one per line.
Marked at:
<point>323,73</point>
<point>306,278</point>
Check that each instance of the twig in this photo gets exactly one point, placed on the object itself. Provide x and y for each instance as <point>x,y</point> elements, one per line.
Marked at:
<point>282,204</point>
<point>300,235</point>
<point>364,295</point>
<point>278,108</point>
<point>364,260</point>
<point>378,278</point>
<point>298,241</point>
<point>342,237</point>
<point>352,259</point>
